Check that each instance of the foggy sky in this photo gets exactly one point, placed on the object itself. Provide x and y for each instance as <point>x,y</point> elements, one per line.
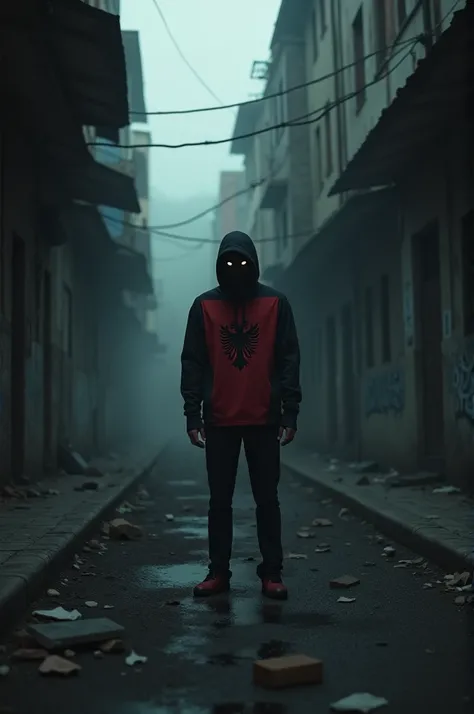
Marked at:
<point>221,39</point>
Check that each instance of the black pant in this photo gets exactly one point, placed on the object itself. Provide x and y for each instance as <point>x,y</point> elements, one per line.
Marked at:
<point>262,451</point>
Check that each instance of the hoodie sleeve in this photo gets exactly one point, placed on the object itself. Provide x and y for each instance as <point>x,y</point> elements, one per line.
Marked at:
<point>288,364</point>
<point>193,366</point>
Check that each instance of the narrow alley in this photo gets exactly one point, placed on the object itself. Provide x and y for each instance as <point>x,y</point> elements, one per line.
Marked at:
<point>400,637</point>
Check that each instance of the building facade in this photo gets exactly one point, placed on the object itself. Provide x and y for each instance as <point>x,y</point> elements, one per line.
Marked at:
<point>380,291</point>
<point>62,275</point>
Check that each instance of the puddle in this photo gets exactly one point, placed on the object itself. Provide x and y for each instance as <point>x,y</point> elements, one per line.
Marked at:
<point>186,645</point>
<point>181,575</point>
<point>190,532</point>
<point>194,497</point>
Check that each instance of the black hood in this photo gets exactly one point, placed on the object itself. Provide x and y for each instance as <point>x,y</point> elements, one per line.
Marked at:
<point>238,242</point>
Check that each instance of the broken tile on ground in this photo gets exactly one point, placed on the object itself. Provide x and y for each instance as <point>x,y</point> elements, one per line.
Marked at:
<point>59,635</point>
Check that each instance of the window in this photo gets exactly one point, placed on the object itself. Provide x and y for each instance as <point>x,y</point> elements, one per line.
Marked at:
<point>359,59</point>
<point>318,162</point>
<point>380,32</point>
<point>327,125</point>
<point>314,30</point>
<point>322,17</point>
<point>385,318</point>
<point>369,328</point>
<point>401,12</point>
<point>467,238</point>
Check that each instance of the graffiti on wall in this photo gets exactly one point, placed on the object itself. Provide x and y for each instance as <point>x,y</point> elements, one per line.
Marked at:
<point>463,383</point>
<point>385,392</point>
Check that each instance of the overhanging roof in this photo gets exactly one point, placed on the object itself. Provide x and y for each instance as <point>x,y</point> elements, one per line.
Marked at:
<point>87,44</point>
<point>102,186</point>
<point>431,97</point>
<point>34,95</point>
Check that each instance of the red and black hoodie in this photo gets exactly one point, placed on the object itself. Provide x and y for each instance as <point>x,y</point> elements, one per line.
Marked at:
<point>240,359</point>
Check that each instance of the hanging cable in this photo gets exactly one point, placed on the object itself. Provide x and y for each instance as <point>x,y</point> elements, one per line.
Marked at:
<point>183,57</point>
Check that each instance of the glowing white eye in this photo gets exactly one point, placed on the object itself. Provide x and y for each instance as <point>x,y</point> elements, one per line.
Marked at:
<point>244,262</point>
<point>229,263</point>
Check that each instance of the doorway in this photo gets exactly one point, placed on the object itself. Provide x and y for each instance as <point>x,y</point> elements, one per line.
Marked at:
<point>18,356</point>
<point>47,374</point>
<point>331,385</point>
<point>430,366</point>
<point>348,383</point>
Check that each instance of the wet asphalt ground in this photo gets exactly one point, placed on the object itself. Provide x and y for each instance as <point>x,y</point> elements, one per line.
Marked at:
<point>411,645</point>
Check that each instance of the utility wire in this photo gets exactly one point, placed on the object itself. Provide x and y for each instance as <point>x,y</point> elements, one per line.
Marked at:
<point>183,57</point>
<point>294,88</point>
<point>157,230</point>
<point>302,120</point>
<point>254,184</point>
<point>413,41</point>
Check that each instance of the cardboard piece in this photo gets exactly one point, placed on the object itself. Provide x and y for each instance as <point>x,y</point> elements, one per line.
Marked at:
<point>289,671</point>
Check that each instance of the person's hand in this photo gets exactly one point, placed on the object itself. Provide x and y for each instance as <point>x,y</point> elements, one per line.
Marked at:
<point>286,435</point>
<point>197,437</point>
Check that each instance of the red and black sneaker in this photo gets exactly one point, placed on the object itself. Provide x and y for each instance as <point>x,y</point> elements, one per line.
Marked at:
<point>212,585</point>
<point>273,587</point>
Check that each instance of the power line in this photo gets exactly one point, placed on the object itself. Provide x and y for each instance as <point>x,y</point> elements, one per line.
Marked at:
<point>323,111</point>
<point>297,121</point>
<point>296,87</point>
<point>183,57</point>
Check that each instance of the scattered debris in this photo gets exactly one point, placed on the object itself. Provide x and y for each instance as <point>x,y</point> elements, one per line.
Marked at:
<point>59,665</point>
<point>113,647</point>
<point>91,603</point>
<point>120,529</point>
<point>457,579</point>
<point>369,564</point>
<point>169,517</point>
<point>343,513</point>
<point>90,486</point>
<point>52,593</point>
<point>326,501</point>
<point>124,508</point>
<point>305,534</point>
<point>346,599</point>
<point>321,522</point>
<point>297,556</point>
<point>59,614</point>
<point>427,586</point>
<point>280,672</point>
<point>70,461</point>
<point>345,581</point>
<point>57,635</point>
<point>363,703</point>
<point>29,655</point>
<point>323,548</point>
<point>431,517</point>
<point>98,654</point>
<point>447,489</point>
<point>109,607</point>
<point>69,654</point>
<point>389,551</point>
<point>133,658</point>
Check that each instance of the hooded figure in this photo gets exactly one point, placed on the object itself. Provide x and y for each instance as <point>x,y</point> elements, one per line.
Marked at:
<point>237,266</point>
<point>240,383</point>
